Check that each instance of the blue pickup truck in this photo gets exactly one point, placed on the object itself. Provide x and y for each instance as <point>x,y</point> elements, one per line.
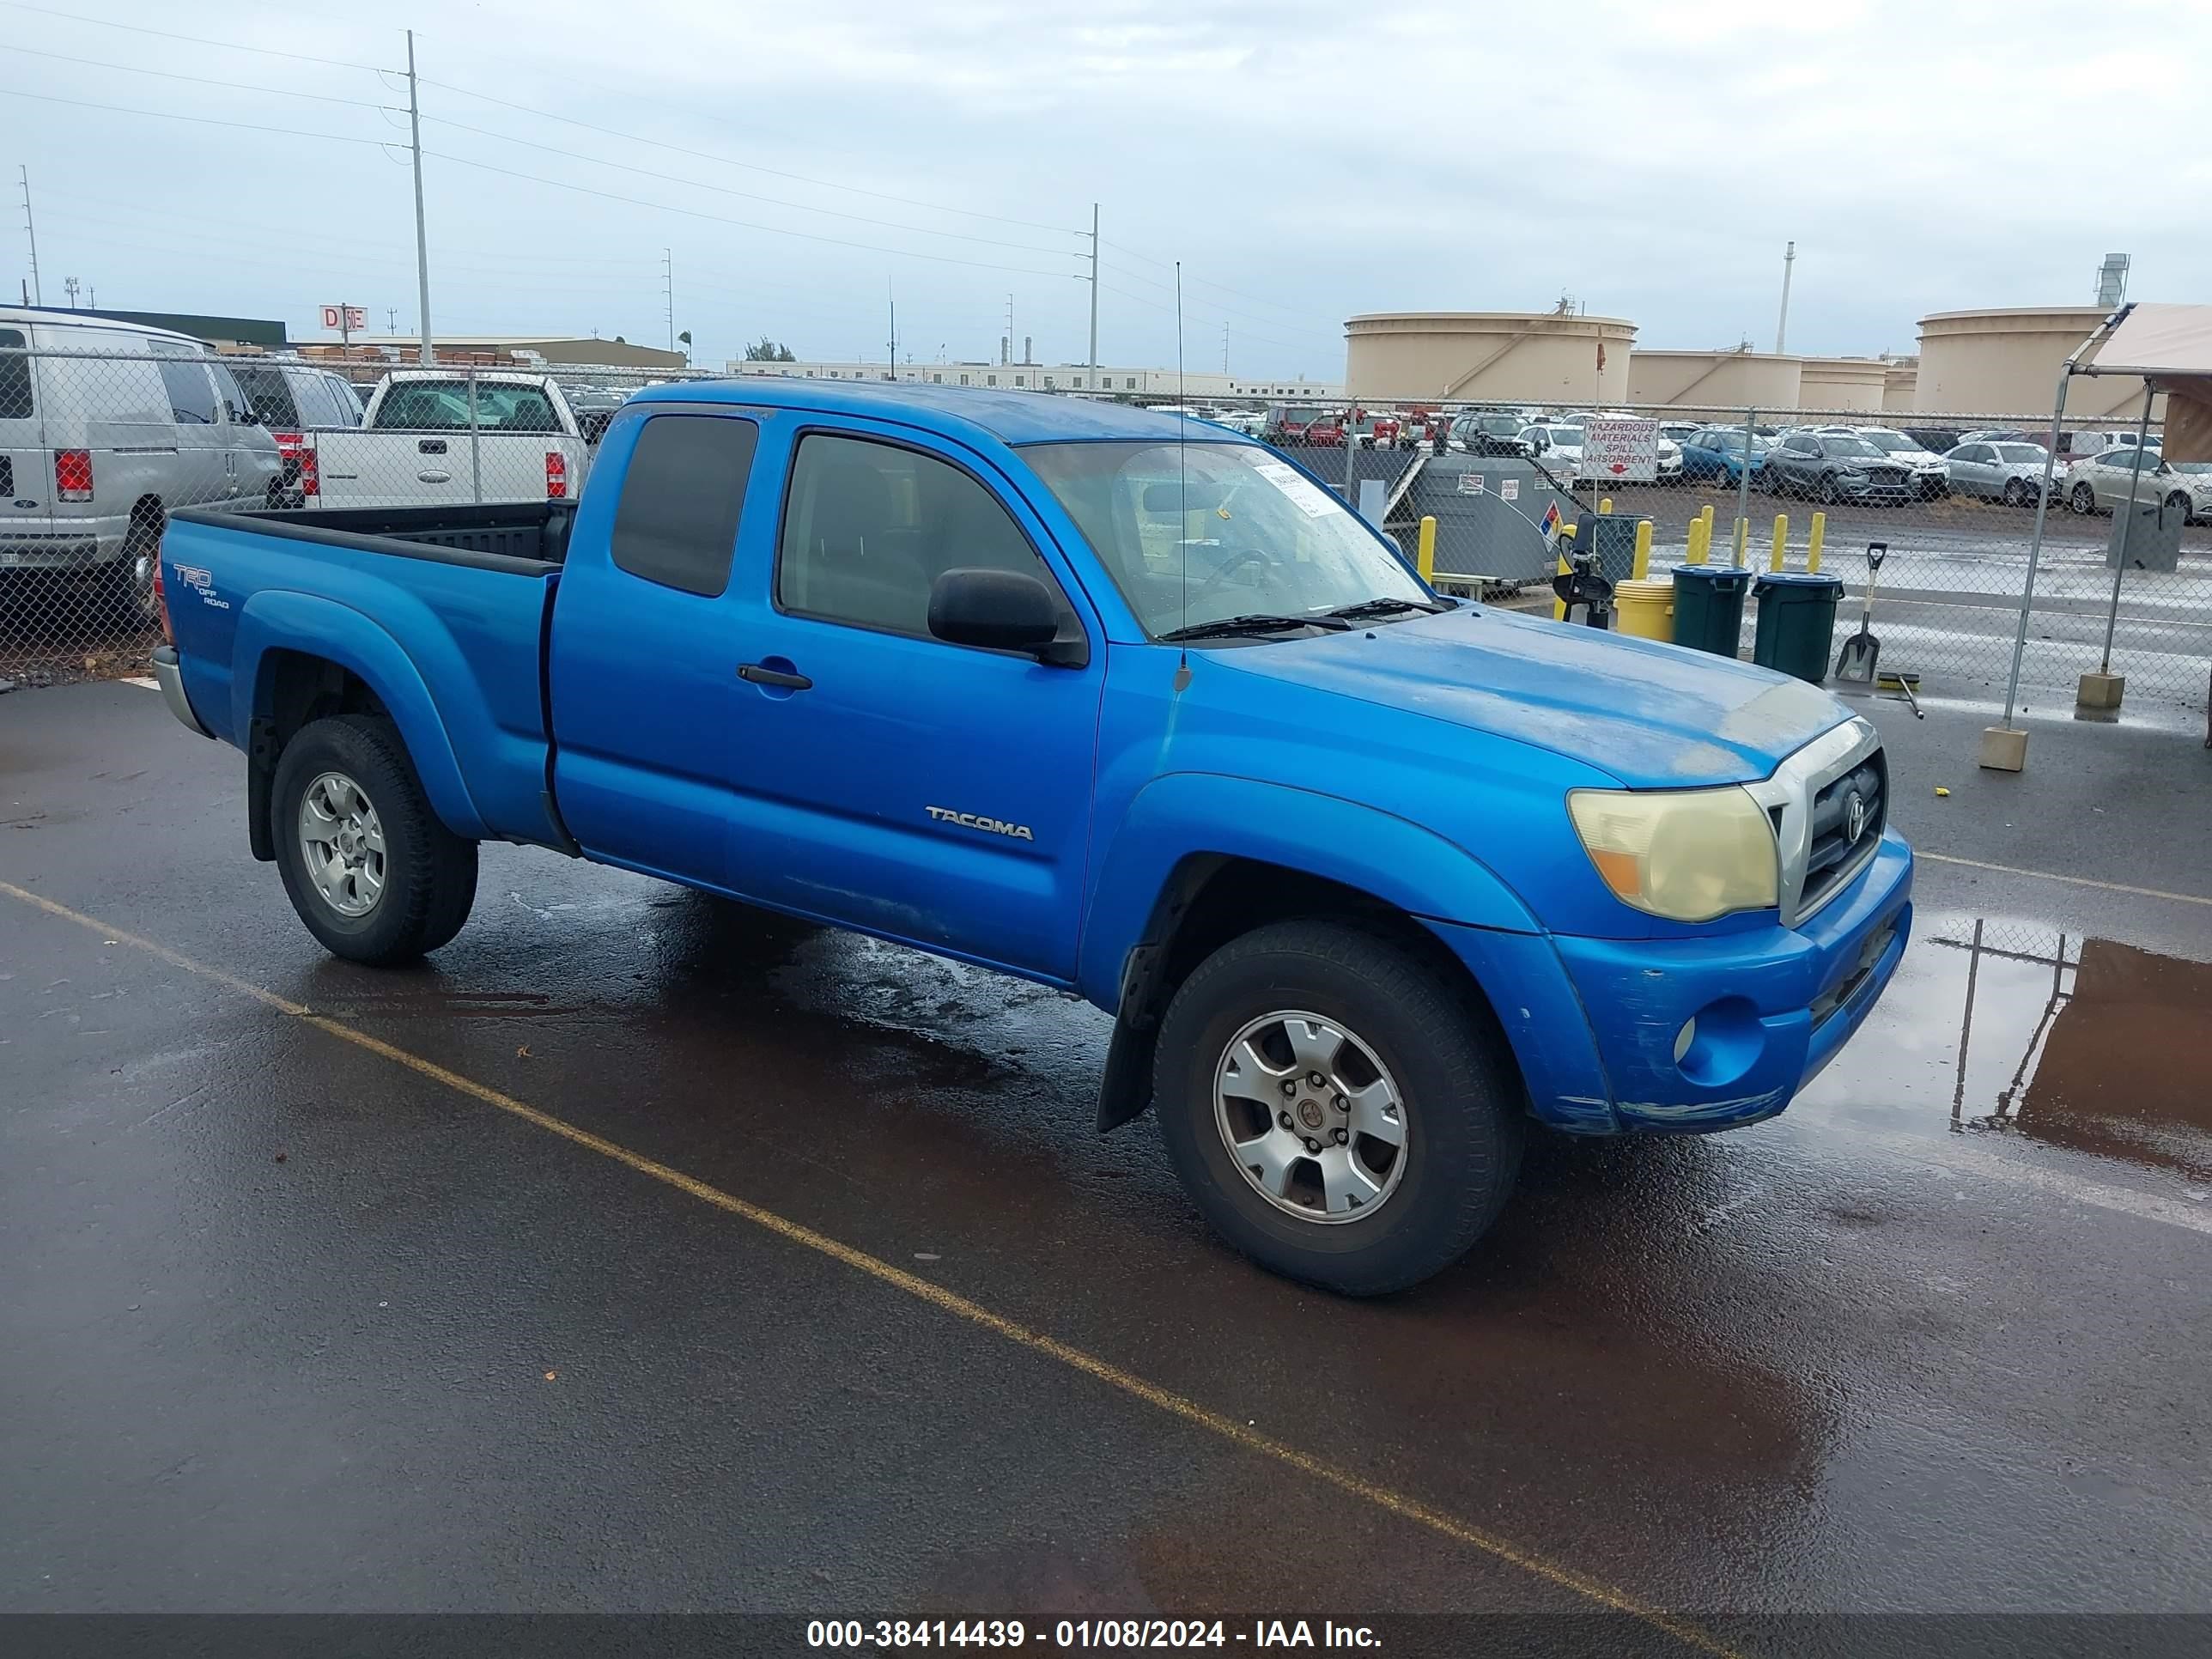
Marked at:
<point>1118,702</point>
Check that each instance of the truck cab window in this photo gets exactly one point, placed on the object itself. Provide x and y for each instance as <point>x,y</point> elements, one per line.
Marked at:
<point>868,527</point>
<point>676,522</point>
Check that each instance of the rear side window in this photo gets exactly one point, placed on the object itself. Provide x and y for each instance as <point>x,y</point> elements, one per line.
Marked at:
<point>15,377</point>
<point>271,399</point>
<point>676,522</point>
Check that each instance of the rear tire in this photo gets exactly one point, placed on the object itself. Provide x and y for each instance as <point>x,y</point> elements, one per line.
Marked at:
<point>129,581</point>
<point>2083,501</point>
<point>2178,505</point>
<point>1457,1112</point>
<point>415,880</point>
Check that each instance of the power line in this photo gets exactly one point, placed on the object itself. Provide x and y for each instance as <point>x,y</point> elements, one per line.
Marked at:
<point>744,195</point>
<point>751,167</point>
<point>202,120</point>
<point>194,39</point>
<point>742,224</point>
<point>1272,305</point>
<point>198,80</point>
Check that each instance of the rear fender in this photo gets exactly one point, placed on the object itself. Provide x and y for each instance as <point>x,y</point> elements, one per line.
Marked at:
<point>275,620</point>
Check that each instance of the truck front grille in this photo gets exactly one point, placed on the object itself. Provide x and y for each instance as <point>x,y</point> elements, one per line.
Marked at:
<point>1832,852</point>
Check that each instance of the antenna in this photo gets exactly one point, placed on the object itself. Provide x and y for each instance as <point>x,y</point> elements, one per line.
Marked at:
<point>1183,483</point>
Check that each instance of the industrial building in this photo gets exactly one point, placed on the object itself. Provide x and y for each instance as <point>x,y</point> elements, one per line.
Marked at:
<point>515,348</point>
<point>1120,381</point>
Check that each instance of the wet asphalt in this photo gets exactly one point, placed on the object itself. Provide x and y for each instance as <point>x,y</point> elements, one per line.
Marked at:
<point>290,1325</point>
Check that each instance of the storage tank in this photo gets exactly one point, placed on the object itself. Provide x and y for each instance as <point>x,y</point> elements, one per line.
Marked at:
<point>1899,385</point>
<point>1711,379</point>
<point>1487,356</point>
<point>2006,362</point>
<point>1841,383</point>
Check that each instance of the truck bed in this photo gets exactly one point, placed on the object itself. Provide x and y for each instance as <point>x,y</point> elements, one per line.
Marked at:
<point>440,611</point>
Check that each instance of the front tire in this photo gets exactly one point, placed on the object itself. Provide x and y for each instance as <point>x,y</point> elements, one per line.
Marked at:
<point>1416,1082</point>
<point>2015,493</point>
<point>369,866</point>
<point>2083,500</point>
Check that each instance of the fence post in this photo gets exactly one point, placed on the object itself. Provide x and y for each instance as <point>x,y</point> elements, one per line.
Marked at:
<point>476,448</point>
<point>2120,561</point>
<point>1743,483</point>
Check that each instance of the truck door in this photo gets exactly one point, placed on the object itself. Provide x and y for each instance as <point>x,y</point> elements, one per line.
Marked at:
<point>644,648</point>
<point>202,473</point>
<point>881,777</point>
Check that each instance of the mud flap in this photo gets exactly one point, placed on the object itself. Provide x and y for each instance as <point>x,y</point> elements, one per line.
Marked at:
<point>261,748</point>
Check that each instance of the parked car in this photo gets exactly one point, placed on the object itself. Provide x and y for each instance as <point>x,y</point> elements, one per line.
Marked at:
<point>2009,472</point>
<point>1996,435</point>
<point>1286,423</point>
<point>423,441</point>
<point>104,427</point>
<point>595,406</point>
<point>1558,450</point>
<point>1930,479</point>
<point>1420,428</point>
<point>294,400</point>
<point>1374,431</point>
<point>1326,430</point>
<point>1488,432</point>
<point>1249,422</point>
<point>2097,484</point>
<point>2080,444</point>
<point>1716,454</point>
<point>1385,875</point>
<point>1937,440</point>
<point>1835,466</point>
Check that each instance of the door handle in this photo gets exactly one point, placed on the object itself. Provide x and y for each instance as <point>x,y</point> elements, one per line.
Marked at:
<point>757,674</point>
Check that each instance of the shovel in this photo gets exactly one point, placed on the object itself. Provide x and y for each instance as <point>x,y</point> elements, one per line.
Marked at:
<point>1856,659</point>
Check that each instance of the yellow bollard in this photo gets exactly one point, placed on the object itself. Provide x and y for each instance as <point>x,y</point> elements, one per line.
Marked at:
<point>1706,513</point>
<point>1781,554</point>
<point>1694,550</point>
<point>1641,569</point>
<point>1559,606</point>
<point>1819,534</point>
<point>1605,504</point>
<point>1743,540</point>
<point>1425,556</point>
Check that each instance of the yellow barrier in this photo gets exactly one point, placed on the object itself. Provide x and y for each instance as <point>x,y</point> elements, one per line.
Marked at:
<point>1605,504</point>
<point>1425,556</point>
<point>1559,606</point>
<point>1743,540</point>
<point>1812,543</point>
<point>1642,567</point>
<point>1701,538</point>
<point>1781,542</point>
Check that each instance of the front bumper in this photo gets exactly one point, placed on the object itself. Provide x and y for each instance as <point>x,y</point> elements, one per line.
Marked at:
<point>1595,1023</point>
<point>170,677</point>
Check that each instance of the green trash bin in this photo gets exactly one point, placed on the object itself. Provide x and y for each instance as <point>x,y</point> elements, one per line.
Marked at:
<point>1709,606</point>
<point>1796,623</point>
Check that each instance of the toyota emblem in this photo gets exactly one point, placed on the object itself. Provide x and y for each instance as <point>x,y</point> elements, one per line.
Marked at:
<point>1854,816</point>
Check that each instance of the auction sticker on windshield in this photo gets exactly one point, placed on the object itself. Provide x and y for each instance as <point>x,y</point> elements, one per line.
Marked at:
<point>1308,497</point>
<point>1623,448</point>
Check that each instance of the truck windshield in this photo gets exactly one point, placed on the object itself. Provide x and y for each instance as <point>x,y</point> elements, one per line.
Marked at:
<point>1259,535</point>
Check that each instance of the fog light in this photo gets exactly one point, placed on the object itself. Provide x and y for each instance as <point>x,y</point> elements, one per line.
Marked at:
<point>1685,1038</point>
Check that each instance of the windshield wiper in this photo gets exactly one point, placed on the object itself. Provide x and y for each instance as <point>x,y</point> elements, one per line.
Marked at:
<point>1386,607</point>
<point>1257,622</point>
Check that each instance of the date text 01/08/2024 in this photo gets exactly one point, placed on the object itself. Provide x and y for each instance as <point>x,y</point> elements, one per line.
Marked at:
<point>1119,1633</point>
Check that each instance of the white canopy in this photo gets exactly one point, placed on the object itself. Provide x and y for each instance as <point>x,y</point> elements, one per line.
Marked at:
<point>2171,347</point>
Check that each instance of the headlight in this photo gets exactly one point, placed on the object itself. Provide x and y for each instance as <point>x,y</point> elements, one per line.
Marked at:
<point>1688,854</point>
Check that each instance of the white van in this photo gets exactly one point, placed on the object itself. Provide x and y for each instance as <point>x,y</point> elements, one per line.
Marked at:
<point>104,427</point>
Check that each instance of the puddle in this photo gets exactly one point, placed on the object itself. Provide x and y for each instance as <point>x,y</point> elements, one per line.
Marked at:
<point>1997,1026</point>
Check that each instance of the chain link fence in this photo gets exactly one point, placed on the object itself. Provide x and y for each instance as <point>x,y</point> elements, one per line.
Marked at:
<point>1952,498</point>
<point>97,447</point>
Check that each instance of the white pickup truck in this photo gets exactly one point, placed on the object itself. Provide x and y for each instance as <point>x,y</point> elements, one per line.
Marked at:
<point>436,436</point>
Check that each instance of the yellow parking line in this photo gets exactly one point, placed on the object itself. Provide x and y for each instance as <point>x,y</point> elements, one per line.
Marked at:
<point>2071,881</point>
<point>1175,1405</point>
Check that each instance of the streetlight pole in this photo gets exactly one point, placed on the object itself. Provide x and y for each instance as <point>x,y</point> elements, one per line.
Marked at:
<point>422,241</point>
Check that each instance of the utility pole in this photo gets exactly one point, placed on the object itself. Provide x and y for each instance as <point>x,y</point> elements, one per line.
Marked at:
<point>421,239</point>
<point>392,319</point>
<point>891,299</point>
<point>69,287</point>
<point>1782,323</point>
<point>38,295</point>
<point>1010,328</point>
<point>1225,347</point>
<point>668,294</point>
<point>1094,292</point>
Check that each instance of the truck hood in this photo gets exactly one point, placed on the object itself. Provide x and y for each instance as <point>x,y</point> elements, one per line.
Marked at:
<point>1654,716</point>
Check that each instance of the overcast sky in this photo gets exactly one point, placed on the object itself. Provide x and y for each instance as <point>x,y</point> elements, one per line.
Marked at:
<point>1306,162</point>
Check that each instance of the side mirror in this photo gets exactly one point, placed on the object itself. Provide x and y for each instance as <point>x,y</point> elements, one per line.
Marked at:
<point>1001,610</point>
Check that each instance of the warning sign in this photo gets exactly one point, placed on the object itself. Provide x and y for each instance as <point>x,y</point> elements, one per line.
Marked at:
<point>1620,449</point>
<point>1509,489</point>
<point>1470,484</point>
